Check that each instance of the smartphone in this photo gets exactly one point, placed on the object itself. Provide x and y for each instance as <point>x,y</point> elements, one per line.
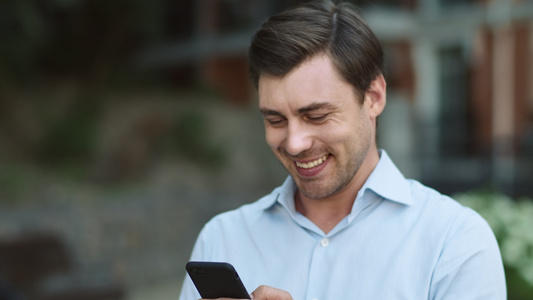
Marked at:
<point>216,280</point>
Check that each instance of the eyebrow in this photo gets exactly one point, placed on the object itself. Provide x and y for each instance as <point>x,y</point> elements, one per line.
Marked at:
<point>269,112</point>
<point>315,106</point>
<point>311,107</point>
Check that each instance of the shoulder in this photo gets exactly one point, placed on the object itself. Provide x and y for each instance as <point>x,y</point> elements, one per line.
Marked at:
<point>446,212</point>
<point>465,244</point>
<point>428,198</point>
<point>241,216</point>
<point>219,235</point>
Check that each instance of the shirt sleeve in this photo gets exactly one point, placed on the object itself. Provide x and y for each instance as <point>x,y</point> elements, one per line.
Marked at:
<point>470,265</point>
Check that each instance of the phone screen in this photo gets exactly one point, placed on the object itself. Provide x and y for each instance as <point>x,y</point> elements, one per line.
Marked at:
<point>216,280</point>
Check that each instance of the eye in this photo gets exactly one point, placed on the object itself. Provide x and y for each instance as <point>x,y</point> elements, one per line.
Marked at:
<point>275,122</point>
<point>317,118</point>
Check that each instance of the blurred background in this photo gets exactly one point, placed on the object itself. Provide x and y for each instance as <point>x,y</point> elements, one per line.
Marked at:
<point>125,125</point>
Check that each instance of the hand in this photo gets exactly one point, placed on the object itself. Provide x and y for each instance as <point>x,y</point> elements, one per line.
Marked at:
<point>267,293</point>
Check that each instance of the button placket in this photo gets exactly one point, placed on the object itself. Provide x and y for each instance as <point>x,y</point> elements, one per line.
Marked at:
<point>318,267</point>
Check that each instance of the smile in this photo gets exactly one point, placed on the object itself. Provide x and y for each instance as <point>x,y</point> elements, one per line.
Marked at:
<point>313,163</point>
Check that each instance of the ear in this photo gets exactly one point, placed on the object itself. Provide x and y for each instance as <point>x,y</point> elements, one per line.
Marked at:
<point>376,96</point>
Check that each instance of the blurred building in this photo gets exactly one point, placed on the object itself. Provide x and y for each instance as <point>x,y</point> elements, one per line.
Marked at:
<point>459,80</point>
<point>458,72</point>
<point>462,70</point>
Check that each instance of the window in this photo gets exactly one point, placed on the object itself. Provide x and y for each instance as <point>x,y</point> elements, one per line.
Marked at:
<point>454,122</point>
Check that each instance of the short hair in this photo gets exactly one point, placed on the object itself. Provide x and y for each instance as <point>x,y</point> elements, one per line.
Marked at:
<point>286,40</point>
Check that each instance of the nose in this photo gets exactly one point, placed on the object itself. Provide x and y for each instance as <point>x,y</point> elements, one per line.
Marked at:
<point>299,139</point>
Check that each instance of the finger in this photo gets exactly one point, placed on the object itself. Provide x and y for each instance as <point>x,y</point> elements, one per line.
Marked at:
<point>226,298</point>
<point>269,293</point>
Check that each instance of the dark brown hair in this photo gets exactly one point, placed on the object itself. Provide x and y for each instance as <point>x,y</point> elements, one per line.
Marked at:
<point>285,40</point>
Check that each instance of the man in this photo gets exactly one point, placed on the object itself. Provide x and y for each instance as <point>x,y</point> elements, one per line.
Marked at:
<point>345,224</point>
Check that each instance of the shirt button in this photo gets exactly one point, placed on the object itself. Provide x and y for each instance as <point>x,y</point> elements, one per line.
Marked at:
<point>324,242</point>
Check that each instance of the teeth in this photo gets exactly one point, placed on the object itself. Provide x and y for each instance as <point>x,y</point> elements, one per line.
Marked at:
<point>312,164</point>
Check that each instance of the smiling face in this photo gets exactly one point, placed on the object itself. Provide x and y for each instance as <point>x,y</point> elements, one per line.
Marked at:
<point>318,128</point>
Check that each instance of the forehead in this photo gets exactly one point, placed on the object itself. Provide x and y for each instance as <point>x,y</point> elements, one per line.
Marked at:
<point>315,80</point>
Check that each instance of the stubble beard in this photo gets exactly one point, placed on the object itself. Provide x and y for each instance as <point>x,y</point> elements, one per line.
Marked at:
<point>314,189</point>
<point>344,172</point>
<point>320,187</point>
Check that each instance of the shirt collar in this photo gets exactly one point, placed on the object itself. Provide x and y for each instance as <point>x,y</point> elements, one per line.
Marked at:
<point>286,194</point>
<point>282,194</point>
<point>386,181</point>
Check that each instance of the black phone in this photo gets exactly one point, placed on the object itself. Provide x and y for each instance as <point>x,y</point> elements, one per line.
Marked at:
<point>216,280</point>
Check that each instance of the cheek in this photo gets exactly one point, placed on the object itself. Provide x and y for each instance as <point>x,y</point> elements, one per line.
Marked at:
<point>334,134</point>
<point>274,137</point>
<point>341,136</point>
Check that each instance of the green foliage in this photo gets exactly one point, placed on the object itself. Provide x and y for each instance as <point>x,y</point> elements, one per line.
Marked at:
<point>191,139</point>
<point>512,223</point>
<point>23,36</point>
<point>86,39</point>
<point>13,182</point>
<point>70,141</point>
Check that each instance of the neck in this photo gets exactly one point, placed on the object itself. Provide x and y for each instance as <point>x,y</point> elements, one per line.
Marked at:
<point>327,212</point>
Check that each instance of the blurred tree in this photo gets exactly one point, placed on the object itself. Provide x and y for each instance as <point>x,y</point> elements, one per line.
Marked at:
<point>51,45</point>
<point>23,33</point>
<point>87,40</point>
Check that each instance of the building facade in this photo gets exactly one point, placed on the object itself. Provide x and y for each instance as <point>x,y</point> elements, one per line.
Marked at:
<point>459,73</point>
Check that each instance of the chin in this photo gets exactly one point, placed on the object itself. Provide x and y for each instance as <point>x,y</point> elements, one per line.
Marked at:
<point>314,191</point>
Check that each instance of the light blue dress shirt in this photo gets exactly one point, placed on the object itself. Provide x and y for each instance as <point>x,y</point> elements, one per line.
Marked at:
<point>402,240</point>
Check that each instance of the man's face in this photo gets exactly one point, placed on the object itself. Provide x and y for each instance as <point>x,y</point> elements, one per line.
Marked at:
<point>316,126</point>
